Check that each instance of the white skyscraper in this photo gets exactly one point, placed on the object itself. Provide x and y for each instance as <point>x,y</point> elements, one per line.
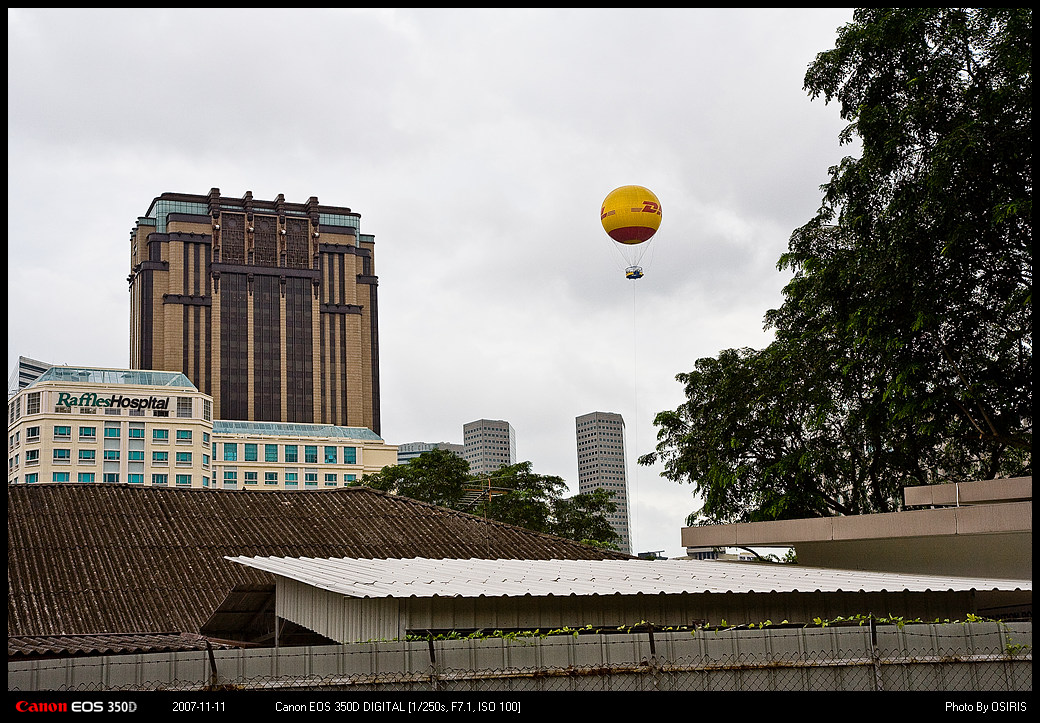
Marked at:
<point>601,464</point>
<point>488,444</point>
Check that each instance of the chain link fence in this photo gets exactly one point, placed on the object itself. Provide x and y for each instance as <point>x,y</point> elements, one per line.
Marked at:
<point>914,657</point>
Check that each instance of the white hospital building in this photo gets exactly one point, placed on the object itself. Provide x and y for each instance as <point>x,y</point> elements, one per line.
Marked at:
<point>155,428</point>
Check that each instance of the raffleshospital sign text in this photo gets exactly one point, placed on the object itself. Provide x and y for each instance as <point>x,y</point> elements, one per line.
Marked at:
<point>91,399</point>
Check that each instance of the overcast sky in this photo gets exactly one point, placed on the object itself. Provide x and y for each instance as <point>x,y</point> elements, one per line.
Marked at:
<point>478,146</point>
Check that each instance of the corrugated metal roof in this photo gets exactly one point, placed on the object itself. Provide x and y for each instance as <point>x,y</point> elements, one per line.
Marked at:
<point>111,558</point>
<point>420,577</point>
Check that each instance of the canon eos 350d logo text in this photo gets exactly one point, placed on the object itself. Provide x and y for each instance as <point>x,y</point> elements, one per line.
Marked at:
<point>76,706</point>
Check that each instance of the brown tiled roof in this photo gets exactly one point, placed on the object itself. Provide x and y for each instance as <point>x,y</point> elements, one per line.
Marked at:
<point>88,559</point>
<point>42,646</point>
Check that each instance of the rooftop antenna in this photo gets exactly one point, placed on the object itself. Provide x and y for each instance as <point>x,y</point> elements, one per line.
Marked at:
<point>482,492</point>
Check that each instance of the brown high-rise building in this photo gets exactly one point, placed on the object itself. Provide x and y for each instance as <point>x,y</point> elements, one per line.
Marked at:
<point>267,306</point>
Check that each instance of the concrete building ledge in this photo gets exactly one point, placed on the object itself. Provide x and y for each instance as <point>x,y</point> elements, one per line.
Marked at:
<point>1013,489</point>
<point>993,518</point>
<point>985,534</point>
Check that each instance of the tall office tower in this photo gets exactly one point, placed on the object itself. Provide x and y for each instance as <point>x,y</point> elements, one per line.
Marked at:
<point>488,444</point>
<point>601,463</point>
<point>267,306</point>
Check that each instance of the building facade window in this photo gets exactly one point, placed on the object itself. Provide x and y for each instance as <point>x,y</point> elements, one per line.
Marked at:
<point>271,453</point>
<point>184,406</point>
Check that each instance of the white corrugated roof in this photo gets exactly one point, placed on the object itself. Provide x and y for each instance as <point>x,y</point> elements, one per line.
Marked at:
<point>421,577</point>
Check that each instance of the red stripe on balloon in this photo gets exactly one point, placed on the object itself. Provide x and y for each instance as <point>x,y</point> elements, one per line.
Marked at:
<point>632,234</point>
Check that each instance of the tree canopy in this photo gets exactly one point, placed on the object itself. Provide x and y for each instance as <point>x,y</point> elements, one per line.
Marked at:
<point>514,494</point>
<point>903,347</point>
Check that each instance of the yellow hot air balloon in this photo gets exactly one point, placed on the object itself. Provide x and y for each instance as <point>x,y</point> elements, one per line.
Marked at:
<point>631,216</point>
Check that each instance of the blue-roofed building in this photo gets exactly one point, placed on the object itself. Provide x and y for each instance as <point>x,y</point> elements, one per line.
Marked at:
<point>155,428</point>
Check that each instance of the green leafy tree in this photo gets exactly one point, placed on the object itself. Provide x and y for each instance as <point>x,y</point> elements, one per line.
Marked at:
<point>528,502</point>
<point>519,496</point>
<point>583,517</point>
<point>903,350</point>
<point>438,476</point>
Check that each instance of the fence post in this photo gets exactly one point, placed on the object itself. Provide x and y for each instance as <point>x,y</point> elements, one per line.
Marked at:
<point>654,668</point>
<point>875,654</point>
<point>434,678</point>
<point>212,666</point>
